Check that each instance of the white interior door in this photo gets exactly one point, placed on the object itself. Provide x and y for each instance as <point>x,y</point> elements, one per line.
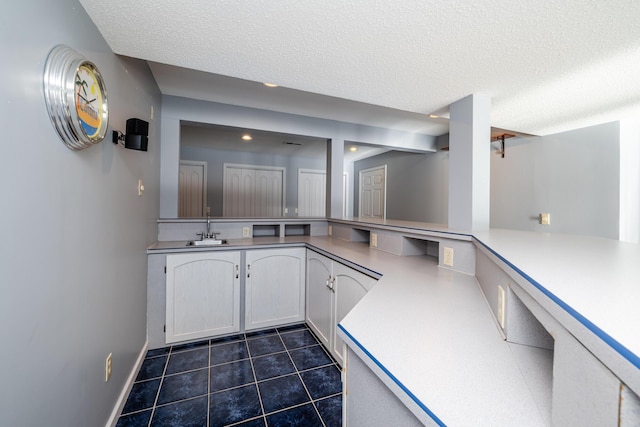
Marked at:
<point>192,189</point>
<point>373,202</point>
<point>312,191</point>
<point>237,192</point>
<point>250,191</point>
<point>269,198</point>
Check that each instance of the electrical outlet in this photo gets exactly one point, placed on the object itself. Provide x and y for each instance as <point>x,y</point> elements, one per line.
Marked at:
<point>107,367</point>
<point>246,232</point>
<point>545,218</point>
<point>374,240</point>
<point>286,210</point>
<point>502,301</point>
<point>448,257</point>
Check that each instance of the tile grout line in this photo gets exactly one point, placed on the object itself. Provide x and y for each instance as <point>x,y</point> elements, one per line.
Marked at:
<point>302,381</point>
<point>210,346</point>
<point>255,378</point>
<point>209,384</point>
<point>155,401</point>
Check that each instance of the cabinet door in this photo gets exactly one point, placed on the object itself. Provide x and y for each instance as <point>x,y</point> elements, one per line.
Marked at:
<point>320,296</point>
<point>203,295</point>
<point>350,286</point>
<point>274,287</point>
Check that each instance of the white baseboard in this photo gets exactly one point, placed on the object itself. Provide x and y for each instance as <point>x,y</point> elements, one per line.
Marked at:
<point>122,399</point>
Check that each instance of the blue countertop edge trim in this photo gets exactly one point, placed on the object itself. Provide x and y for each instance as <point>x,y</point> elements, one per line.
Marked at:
<point>619,348</point>
<point>395,380</point>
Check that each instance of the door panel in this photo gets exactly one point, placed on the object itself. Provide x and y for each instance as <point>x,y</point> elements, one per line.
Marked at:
<point>319,296</point>
<point>203,295</point>
<point>253,192</point>
<point>274,287</point>
<point>350,286</point>
<point>268,193</point>
<point>372,192</point>
<point>192,189</point>
<point>312,190</point>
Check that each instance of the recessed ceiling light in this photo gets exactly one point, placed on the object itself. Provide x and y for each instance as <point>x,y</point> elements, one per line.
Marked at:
<point>353,149</point>
<point>246,137</point>
<point>433,116</point>
<point>270,84</point>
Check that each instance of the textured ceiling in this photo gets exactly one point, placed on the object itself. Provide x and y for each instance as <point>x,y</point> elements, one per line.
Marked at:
<point>548,66</point>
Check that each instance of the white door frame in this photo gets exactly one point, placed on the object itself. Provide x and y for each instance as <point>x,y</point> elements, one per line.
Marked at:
<point>204,184</point>
<point>225,166</point>
<point>384,207</point>
<point>345,195</point>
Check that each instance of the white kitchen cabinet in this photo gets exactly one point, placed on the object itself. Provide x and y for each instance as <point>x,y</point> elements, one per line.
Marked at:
<point>320,297</point>
<point>274,287</point>
<point>203,295</point>
<point>349,288</point>
<point>333,289</point>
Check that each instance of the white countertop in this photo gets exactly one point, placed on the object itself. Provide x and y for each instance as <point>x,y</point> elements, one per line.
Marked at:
<point>441,319</point>
<point>595,279</point>
<point>432,331</point>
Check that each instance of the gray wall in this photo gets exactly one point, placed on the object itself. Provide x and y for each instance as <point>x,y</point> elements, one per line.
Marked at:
<point>216,158</point>
<point>573,175</point>
<point>177,110</point>
<point>74,231</point>
<point>417,185</point>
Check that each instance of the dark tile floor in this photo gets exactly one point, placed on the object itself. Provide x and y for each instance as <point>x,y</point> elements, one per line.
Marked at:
<point>279,377</point>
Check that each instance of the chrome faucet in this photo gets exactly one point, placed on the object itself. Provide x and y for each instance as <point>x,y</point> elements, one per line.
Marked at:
<point>209,234</point>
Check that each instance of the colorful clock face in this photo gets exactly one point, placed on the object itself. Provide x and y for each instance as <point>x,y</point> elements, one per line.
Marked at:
<point>88,97</point>
<point>76,98</point>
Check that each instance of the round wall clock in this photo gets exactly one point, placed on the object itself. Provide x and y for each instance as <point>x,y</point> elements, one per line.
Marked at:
<point>76,98</point>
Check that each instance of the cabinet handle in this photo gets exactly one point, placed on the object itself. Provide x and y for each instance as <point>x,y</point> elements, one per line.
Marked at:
<point>330,283</point>
<point>237,271</point>
<point>248,270</point>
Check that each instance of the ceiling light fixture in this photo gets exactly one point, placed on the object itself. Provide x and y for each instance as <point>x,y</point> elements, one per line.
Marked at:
<point>353,149</point>
<point>270,84</point>
<point>246,137</point>
<point>433,116</point>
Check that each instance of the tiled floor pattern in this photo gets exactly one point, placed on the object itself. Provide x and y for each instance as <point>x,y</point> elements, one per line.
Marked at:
<point>280,377</point>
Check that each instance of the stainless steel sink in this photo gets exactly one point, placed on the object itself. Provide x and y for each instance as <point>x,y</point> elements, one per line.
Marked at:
<point>207,242</point>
